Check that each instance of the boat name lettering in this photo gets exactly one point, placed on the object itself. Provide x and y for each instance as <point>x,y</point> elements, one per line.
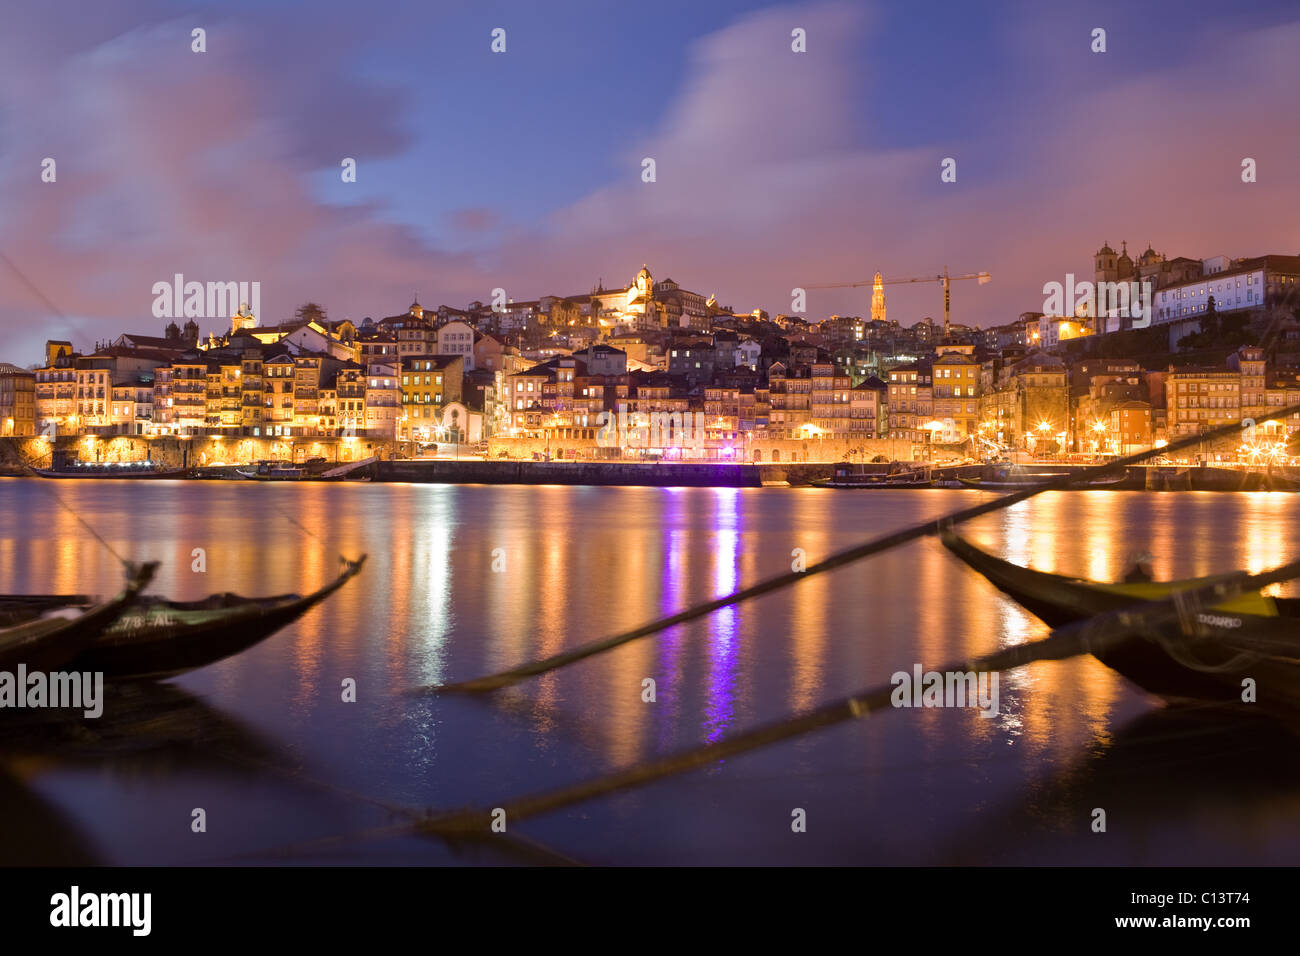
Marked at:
<point>134,622</point>
<point>1219,620</point>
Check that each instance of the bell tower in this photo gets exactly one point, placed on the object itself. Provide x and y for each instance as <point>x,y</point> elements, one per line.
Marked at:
<point>878,299</point>
<point>1105,268</point>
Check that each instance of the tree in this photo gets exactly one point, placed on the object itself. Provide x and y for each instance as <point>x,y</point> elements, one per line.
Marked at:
<point>1210,322</point>
<point>310,312</point>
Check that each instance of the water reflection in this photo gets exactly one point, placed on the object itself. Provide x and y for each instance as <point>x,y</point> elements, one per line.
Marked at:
<point>723,638</point>
<point>467,580</point>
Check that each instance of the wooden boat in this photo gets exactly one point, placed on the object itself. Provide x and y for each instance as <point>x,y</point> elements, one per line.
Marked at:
<point>126,469</point>
<point>159,638</point>
<point>905,480</point>
<point>1253,636</point>
<point>1006,481</point>
<point>273,471</point>
<point>215,473</point>
<point>50,634</point>
<point>1125,481</point>
<point>850,475</point>
<point>1115,482</point>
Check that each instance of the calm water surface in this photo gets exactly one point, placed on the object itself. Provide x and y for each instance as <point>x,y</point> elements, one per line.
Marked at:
<point>288,772</point>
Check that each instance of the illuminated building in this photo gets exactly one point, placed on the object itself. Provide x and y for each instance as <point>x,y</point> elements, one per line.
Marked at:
<point>911,400</point>
<point>457,338</point>
<point>878,299</point>
<point>277,395</point>
<point>868,409</point>
<point>429,382</point>
<point>189,394</point>
<point>56,392</point>
<point>17,400</point>
<point>1130,429</point>
<point>383,400</point>
<point>1198,399</point>
<point>955,375</point>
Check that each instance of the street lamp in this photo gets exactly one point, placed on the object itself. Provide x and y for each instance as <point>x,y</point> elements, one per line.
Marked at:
<point>931,428</point>
<point>1099,442</point>
<point>809,430</point>
<point>1044,428</point>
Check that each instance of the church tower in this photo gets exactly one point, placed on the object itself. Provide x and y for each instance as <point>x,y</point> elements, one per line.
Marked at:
<point>1105,268</point>
<point>878,299</point>
<point>243,319</point>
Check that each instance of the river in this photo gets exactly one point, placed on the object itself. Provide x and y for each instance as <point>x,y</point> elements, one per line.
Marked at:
<point>465,580</point>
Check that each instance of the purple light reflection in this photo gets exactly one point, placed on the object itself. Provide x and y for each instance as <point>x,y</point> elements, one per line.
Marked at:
<point>723,643</point>
<point>674,594</point>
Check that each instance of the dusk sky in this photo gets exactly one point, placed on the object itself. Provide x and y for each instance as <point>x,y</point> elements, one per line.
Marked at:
<point>522,170</point>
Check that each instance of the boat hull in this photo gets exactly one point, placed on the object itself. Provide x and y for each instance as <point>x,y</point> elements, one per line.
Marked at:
<point>48,643</point>
<point>159,639</point>
<point>1232,643</point>
<point>140,475</point>
<point>271,476</point>
<point>860,485</point>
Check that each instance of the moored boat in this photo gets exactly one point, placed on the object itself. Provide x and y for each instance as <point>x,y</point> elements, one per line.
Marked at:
<point>124,469</point>
<point>1254,636</point>
<point>49,633</point>
<point>273,471</point>
<point>849,475</point>
<point>160,638</point>
<point>873,481</point>
<point>1012,481</point>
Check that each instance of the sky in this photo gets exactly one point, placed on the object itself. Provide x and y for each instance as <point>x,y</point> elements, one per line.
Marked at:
<point>522,170</point>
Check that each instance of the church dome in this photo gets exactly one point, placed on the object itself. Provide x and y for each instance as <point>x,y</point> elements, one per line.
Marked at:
<point>1105,250</point>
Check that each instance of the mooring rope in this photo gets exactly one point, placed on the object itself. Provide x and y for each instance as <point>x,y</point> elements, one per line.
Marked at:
<point>35,290</point>
<point>58,498</point>
<point>1081,637</point>
<point>22,460</point>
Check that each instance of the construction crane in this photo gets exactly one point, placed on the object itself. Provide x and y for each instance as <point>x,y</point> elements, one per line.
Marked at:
<point>946,279</point>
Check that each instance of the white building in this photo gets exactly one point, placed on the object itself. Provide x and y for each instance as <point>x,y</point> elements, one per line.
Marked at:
<point>1234,284</point>
<point>457,338</point>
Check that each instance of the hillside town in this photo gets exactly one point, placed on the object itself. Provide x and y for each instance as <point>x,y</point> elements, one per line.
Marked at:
<point>652,371</point>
